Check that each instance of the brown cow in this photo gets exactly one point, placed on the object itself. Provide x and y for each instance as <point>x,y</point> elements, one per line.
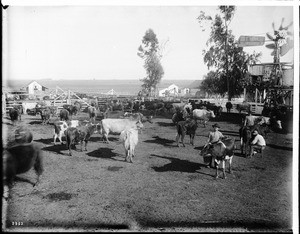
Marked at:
<point>221,152</point>
<point>189,127</point>
<point>80,134</point>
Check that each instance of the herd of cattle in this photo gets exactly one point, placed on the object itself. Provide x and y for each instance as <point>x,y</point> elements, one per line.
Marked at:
<point>185,116</point>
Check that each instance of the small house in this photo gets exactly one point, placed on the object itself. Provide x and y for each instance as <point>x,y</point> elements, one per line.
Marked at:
<point>35,88</point>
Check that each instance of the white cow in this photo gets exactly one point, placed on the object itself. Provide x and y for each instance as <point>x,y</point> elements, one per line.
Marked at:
<point>28,105</point>
<point>129,137</point>
<point>203,115</point>
<point>117,126</point>
<point>267,120</point>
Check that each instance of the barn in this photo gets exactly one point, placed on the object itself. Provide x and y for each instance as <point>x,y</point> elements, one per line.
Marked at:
<point>35,88</point>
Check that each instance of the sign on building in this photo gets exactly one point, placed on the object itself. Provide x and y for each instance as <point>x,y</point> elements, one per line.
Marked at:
<point>250,41</point>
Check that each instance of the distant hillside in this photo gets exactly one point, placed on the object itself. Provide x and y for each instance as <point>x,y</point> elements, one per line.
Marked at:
<point>97,86</point>
<point>195,85</point>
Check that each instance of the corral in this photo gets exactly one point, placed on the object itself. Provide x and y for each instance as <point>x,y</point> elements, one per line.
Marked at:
<point>165,188</point>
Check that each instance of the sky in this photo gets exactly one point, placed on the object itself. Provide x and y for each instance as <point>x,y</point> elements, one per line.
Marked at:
<point>101,42</point>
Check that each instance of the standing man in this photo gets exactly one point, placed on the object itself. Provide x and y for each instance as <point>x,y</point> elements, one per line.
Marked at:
<point>258,143</point>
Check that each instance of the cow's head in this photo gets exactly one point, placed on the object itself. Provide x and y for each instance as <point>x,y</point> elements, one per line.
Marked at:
<point>279,124</point>
<point>212,114</point>
<point>139,124</point>
<point>206,150</point>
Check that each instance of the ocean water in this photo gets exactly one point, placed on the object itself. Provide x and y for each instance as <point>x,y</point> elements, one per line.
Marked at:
<point>121,87</point>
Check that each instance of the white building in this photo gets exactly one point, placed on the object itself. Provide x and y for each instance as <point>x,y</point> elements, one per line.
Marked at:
<point>35,88</point>
<point>172,90</point>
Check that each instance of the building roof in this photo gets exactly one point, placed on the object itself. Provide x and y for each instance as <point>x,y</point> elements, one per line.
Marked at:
<point>36,82</point>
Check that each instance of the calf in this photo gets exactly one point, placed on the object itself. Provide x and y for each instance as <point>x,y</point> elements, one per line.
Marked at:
<point>92,113</point>
<point>245,137</point>
<point>228,106</point>
<point>129,137</point>
<point>45,115</point>
<point>80,134</point>
<point>117,126</point>
<point>61,126</point>
<point>64,115</point>
<point>14,114</point>
<point>20,159</point>
<point>189,127</point>
<point>221,152</point>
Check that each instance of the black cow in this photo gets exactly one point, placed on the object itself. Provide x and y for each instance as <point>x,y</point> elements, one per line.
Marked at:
<point>64,115</point>
<point>220,152</point>
<point>188,127</point>
<point>71,108</point>
<point>228,106</point>
<point>79,135</point>
<point>216,109</point>
<point>154,106</point>
<point>20,159</point>
<point>243,107</point>
<point>14,114</point>
<point>179,116</point>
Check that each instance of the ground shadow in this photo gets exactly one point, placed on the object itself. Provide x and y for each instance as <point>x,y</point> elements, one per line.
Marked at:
<point>164,124</point>
<point>35,122</point>
<point>105,153</point>
<point>239,154</point>
<point>162,141</point>
<point>48,141</point>
<point>95,139</point>
<point>280,147</point>
<point>230,133</point>
<point>56,148</point>
<point>177,165</point>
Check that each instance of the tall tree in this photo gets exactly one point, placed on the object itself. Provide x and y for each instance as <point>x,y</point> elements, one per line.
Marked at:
<point>149,51</point>
<point>223,54</point>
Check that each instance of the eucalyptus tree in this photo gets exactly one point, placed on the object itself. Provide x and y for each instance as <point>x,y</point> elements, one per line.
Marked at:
<point>223,54</point>
<point>150,52</point>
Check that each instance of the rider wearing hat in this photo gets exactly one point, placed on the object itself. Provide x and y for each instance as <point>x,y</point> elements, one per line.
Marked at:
<point>215,136</point>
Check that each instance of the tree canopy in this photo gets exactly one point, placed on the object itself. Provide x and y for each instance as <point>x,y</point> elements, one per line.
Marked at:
<point>149,52</point>
<point>229,61</point>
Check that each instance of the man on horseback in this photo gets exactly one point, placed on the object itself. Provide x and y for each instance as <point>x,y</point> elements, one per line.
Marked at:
<point>249,120</point>
<point>214,137</point>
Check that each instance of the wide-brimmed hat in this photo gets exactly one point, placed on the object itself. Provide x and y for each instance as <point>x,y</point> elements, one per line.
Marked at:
<point>216,125</point>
